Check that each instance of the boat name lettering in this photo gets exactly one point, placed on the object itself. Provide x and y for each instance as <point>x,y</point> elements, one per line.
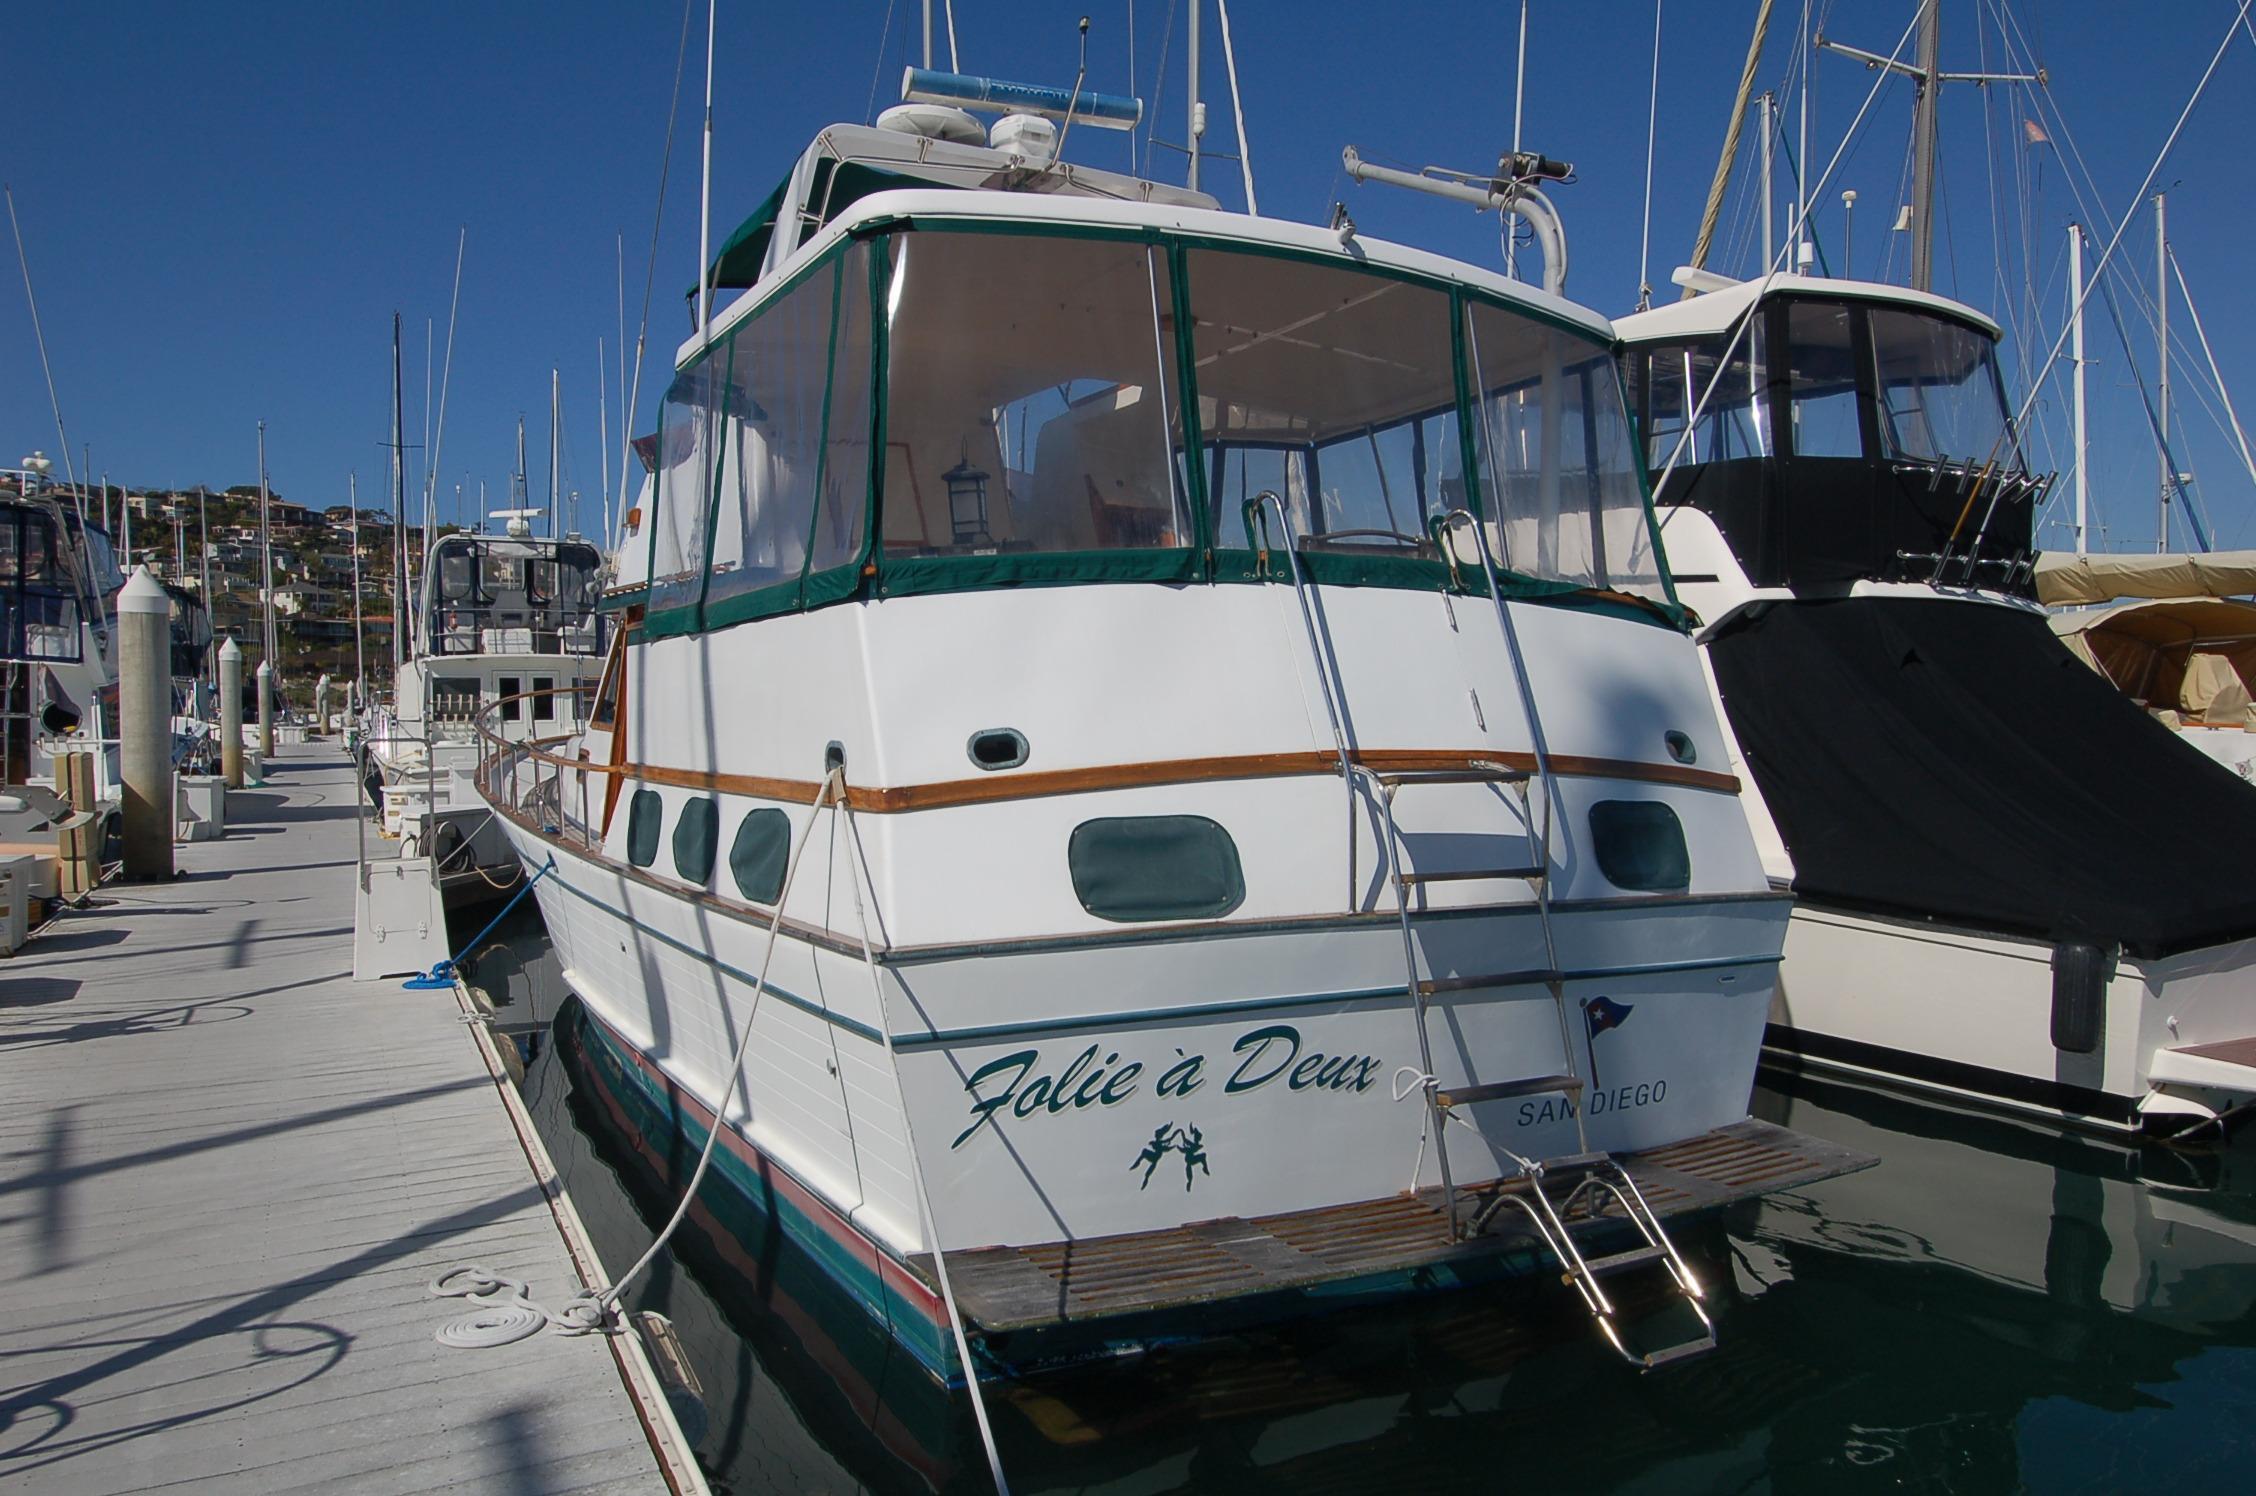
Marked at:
<point>1017,1082</point>
<point>1619,1099</point>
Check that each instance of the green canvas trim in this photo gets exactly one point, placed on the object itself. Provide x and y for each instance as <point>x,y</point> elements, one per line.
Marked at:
<point>1186,399</point>
<point>822,447</point>
<point>721,436</point>
<point>670,623</point>
<point>836,185</point>
<point>1468,445</point>
<point>902,576</point>
<point>619,602</point>
<point>742,607</point>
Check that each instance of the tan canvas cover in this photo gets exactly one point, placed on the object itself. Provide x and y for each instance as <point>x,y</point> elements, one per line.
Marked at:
<point>2212,690</point>
<point>2173,654</point>
<point>2066,578</point>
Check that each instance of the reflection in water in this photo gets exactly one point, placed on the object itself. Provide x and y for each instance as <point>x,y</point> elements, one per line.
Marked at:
<point>1996,1306</point>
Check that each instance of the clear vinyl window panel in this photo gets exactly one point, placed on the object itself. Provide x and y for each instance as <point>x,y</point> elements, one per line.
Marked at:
<point>689,436</point>
<point>1732,424</point>
<point>1334,389</point>
<point>1940,397</point>
<point>39,605</point>
<point>770,451</point>
<point>1029,397</point>
<point>1822,380</point>
<point>1564,488</point>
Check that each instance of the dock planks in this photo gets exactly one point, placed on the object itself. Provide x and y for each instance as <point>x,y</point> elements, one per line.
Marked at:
<point>227,1173</point>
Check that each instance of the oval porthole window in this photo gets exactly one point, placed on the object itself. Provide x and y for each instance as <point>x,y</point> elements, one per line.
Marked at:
<point>1640,845</point>
<point>1131,868</point>
<point>645,813</point>
<point>997,748</point>
<point>694,836</point>
<point>761,855</point>
<point>1680,746</point>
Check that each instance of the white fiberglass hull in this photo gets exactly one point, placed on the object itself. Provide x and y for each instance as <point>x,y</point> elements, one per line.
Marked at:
<point>1283,1048</point>
<point>1970,1014</point>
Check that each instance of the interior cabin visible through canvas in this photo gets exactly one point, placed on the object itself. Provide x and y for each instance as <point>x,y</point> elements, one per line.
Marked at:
<point>962,405</point>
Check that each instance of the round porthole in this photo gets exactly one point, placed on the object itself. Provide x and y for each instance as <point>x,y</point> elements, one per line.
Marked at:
<point>997,748</point>
<point>1680,747</point>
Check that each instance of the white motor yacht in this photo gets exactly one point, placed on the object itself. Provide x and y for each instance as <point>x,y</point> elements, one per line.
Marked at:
<point>1151,768</point>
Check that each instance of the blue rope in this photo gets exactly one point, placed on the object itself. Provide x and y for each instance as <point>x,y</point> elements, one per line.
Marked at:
<point>442,975</point>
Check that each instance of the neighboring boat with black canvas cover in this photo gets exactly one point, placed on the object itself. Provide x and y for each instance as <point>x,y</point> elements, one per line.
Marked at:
<point>2012,884</point>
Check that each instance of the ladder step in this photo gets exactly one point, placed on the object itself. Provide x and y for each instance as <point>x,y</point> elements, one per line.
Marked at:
<point>1435,986</point>
<point>1684,1352</point>
<point>1463,875</point>
<point>1496,1090</point>
<point>1622,1261</point>
<point>1497,775</point>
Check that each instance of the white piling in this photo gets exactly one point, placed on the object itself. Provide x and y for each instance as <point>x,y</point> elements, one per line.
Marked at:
<point>145,725</point>
<point>231,714</point>
<point>266,710</point>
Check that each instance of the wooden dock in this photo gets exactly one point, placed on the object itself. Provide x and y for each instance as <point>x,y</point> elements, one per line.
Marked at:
<point>227,1174</point>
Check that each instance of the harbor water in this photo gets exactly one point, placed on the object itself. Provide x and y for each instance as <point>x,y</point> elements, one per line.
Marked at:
<point>1997,1306</point>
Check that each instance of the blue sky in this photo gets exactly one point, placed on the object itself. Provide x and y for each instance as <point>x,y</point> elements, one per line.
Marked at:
<point>224,204</point>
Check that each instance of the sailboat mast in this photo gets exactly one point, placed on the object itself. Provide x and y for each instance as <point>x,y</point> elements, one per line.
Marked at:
<point>516,479</point>
<point>403,570</point>
<point>2162,383</point>
<point>555,447</point>
<point>360,652</point>
<point>1923,147</point>
<point>603,435</point>
<point>266,564</point>
<point>1194,119</point>
<point>2076,369</point>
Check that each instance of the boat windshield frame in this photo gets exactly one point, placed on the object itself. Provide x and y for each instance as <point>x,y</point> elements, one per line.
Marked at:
<point>852,288</point>
<point>481,597</point>
<point>41,605</point>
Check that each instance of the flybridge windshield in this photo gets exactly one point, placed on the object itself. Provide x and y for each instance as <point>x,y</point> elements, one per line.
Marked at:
<point>39,600</point>
<point>956,406</point>
<point>1931,383</point>
<point>492,595</point>
<point>1940,399</point>
<point>1034,404</point>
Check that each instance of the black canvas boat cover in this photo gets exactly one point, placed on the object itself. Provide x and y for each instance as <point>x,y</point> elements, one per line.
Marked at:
<point>1950,760</point>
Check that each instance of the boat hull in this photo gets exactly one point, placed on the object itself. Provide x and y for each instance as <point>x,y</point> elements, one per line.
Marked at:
<point>1969,1013</point>
<point>1135,1083</point>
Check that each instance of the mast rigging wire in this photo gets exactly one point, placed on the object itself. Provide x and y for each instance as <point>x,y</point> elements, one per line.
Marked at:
<point>1723,363</point>
<point>1652,125</point>
<point>658,218</point>
<point>1731,145</point>
<point>2240,437</point>
<point>44,367</point>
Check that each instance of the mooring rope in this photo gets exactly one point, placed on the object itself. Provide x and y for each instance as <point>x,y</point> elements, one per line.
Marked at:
<point>506,1309</point>
<point>916,1160</point>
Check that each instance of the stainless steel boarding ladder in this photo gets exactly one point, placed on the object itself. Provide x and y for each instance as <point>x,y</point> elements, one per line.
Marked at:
<point>1596,1175</point>
<point>1423,989</point>
<point>1596,1179</point>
